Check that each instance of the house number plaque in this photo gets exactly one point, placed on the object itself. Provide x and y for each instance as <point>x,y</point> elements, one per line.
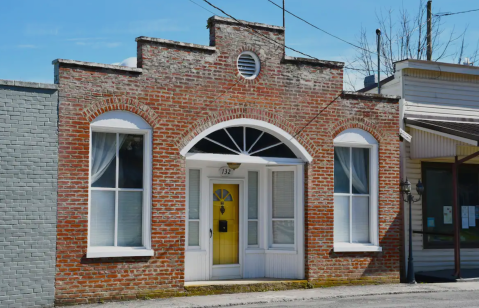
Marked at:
<point>225,171</point>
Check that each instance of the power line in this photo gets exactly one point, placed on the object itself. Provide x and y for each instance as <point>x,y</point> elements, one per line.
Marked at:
<point>449,14</point>
<point>202,7</point>
<point>324,31</point>
<point>270,39</point>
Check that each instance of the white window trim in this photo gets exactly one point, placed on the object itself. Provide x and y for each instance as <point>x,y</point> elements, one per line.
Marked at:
<point>358,138</point>
<point>188,247</point>
<point>296,220</point>
<point>108,123</point>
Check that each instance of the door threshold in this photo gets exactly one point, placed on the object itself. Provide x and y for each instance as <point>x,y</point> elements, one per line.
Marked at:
<point>242,282</point>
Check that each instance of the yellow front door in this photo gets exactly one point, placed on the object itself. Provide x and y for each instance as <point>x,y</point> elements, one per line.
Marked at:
<point>225,223</point>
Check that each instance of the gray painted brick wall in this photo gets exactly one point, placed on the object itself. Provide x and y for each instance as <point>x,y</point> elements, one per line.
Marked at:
<point>28,193</point>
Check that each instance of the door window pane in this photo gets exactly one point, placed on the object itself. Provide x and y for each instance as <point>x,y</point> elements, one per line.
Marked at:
<point>360,213</point>
<point>341,219</point>
<point>194,195</point>
<point>103,160</point>
<point>342,161</point>
<point>283,194</point>
<point>252,233</point>
<point>102,219</point>
<point>130,218</point>
<point>194,233</point>
<point>283,232</point>
<point>130,161</point>
<point>253,195</point>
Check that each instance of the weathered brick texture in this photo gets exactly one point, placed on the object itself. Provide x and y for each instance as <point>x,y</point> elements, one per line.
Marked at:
<point>28,193</point>
<point>183,89</point>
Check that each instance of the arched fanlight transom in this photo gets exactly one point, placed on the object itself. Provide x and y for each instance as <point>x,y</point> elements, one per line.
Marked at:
<point>242,140</point>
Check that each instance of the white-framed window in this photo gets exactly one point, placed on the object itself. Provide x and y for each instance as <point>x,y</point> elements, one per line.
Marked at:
<point>355,191</point>
<point>282,207</point>
<point>193,210</point>
<point>253,208</point>
<point>120,186</point>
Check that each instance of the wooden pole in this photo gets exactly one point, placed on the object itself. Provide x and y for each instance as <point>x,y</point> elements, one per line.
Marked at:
<point>429,30</point>
<point>284,24</point>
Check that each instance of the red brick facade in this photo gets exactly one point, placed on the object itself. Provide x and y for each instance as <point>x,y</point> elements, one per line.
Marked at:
<point>183,89</point>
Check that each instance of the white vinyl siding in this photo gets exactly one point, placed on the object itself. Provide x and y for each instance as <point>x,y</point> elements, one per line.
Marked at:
<point>194,208</point>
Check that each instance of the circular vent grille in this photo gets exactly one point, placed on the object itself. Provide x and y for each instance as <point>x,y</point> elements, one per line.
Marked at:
<point>248,65</point>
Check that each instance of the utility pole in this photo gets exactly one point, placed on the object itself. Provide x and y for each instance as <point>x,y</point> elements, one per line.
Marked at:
<point>429,30</point>
<point>378,34</point>
<point>284,25</point>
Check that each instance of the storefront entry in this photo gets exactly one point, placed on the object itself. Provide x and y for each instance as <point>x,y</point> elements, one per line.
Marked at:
<point>225,230</point>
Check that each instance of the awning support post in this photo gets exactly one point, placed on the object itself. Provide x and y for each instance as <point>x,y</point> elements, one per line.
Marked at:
<point>455,212</point>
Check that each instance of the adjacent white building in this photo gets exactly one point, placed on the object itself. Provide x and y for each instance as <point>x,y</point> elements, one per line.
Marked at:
<point>440,110</point>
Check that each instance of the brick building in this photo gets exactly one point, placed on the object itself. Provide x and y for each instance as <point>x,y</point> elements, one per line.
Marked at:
<point>223,161</point>
<point>28,193</point>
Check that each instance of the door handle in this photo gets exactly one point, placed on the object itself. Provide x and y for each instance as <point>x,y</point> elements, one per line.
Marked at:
<point>211,233</point>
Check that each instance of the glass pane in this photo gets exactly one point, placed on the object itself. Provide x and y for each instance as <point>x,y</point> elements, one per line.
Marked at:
<point>221,137</point>
<point>224,194</point>
<point>265,141</point>
<point>281,150</point>
<point>229,198</point>
<point>252,195</point>
<point>360,212</point>
<point>130,210</point>
<point>206,146</point>
<point>131,161</point>
<point>252,135</point>
<point>283,232</point>
<point>193,233</point>
<point>103,160</point>
<point>283,194</point>
<point>194,195</point>
<point>252,233</point>
<point>341,169</point>
<point>360,171</point>
<point>102,218</point>
<point>341,219</point>
<point>438,204</point>
<point>237,134</point>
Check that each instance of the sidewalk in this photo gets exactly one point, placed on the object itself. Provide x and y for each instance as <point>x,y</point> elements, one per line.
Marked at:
<point>226,300</point>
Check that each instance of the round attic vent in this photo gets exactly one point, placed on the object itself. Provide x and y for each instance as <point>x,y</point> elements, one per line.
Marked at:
<point>248,65</point>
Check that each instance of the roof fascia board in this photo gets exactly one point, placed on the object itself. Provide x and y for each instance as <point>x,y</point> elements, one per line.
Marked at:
<point>438,66</point>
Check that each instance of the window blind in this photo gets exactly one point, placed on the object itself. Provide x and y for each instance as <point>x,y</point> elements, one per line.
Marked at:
<point>252,208</point>
<point>283,207</point>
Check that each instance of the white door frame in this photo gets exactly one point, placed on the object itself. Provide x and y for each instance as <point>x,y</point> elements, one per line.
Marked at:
<point>241,225</point>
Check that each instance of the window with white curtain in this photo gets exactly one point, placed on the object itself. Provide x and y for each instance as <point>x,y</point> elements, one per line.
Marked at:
<point>194,208</point>
<point>253,208</point>
<point>119,222</point>
<point>117,187</point>
<point>355,190</point>
<point>282,208</point>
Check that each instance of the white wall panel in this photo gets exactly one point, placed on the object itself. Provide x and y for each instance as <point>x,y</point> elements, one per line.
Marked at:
<point>195,265</point>
<point>254,265</point>
<point>280,265</point>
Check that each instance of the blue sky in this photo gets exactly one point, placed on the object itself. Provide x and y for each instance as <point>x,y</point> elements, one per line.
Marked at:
<point>36,32</point>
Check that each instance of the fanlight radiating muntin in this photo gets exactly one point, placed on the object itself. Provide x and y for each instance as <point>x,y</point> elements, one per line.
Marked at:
<point>242,140</point>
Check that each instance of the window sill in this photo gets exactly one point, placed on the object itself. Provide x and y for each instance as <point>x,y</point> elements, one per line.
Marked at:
<point>345,247</point>
<point>107,252</point>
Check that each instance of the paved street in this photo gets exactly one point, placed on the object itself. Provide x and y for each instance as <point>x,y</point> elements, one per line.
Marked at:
<point>438,295</point>
<point>436,300</point>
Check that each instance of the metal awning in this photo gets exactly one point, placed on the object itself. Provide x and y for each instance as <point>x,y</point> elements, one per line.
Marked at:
<point>460,131</point>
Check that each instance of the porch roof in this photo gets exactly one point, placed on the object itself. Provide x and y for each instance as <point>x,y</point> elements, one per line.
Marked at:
<point>466,132</point>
